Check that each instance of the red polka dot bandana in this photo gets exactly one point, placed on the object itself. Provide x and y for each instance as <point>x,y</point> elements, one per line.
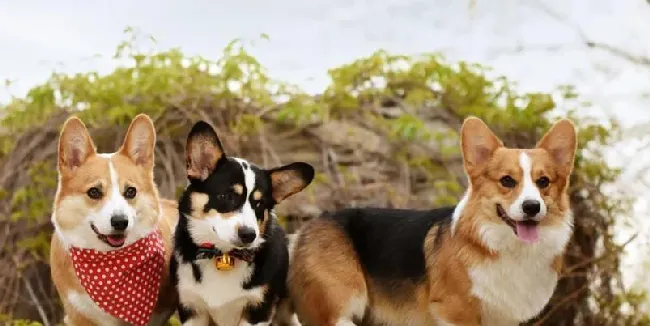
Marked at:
<point>123,282</point>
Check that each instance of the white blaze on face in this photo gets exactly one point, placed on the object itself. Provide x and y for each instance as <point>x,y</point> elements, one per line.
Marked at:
<point>246,217</point>
<point>529,191</point>
<point>221,229</point>
<point>114,204</point>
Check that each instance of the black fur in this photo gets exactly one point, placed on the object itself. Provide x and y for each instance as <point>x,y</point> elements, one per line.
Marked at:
<point>270,263</point>
<point>390,242</point>
<point>270,268</point>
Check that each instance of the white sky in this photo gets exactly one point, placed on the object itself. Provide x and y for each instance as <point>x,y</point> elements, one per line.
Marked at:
<point>308,37</point>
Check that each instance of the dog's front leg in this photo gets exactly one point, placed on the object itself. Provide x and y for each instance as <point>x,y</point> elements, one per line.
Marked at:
<point>191,317</point>
<point>258,315</point>
<point>285,314</point>
<point>76,319</point>
<point>454,313</point>
<point>197,320</point>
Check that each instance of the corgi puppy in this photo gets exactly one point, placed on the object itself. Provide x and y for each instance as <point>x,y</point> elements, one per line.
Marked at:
<point>112,242</point>
<point>231,258</point>
<point>494,259</point>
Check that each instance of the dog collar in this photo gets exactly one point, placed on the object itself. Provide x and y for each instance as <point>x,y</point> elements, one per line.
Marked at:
<point>224,260</point>
<point>124,282</point>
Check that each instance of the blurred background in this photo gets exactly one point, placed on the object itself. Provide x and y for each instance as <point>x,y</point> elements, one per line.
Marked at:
<point>370,92</point>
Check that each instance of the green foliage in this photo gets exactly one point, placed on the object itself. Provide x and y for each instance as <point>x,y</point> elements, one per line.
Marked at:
<point>415,103</point>
<point>174,321</point>
<point>29,202</point>
<point>6,320</point>
<point>150,83</point>
<point>22,322</point>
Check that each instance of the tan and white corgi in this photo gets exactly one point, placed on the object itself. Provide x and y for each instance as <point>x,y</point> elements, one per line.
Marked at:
<point>113,234</point>
<point>493,259</point>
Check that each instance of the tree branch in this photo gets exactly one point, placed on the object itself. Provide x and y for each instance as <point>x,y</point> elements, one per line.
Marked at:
<point>642,60</point>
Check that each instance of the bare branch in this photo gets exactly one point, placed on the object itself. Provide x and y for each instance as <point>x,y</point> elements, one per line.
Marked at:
<point>615,51</point>
<point>642,60</point>
<point>36,302</point>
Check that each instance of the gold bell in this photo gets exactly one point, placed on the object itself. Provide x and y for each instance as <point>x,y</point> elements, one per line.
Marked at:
<point>224,262</point>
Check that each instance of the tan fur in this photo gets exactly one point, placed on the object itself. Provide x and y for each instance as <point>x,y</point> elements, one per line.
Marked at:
<point>463,251</point>
<point>558,264</point>
<point>71,195</point>
<point>406,304</point>
<point>325,274</point>
<point>286,183</point>
<point>65,279</point>
<point>81,168</point>
<point>263,222</point>
<point>201,156</point>
<point>239,189</point>
<point>257,195</point>
<point>198,203</point>
<point>450,285</point>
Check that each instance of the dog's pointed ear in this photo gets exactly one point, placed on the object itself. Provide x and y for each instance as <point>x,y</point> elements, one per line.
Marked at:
<point>290,179</point>
<point>140,141</point>
<point>478,143</point>
<point>561,142</point>
<point>75,145</point>
<point>202,151</point>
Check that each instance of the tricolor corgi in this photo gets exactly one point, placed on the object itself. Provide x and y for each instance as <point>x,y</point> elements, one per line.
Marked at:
<point>231,258</point>
<point>112,242</point>
<point>493,259</point>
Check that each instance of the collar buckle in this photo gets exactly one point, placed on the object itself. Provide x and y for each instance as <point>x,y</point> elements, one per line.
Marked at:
<point>224,260</point>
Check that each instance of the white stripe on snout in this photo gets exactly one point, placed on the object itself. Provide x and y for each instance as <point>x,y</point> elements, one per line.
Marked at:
<point>248,213</point>
<point>247,216</point>
<point>115,203</point>
<point>529,190</point>
<point>223,231</point>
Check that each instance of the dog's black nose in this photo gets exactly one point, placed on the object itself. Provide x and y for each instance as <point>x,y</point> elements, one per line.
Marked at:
<point>119,222</point>
<point>530,207</point>
<point>246,234</point>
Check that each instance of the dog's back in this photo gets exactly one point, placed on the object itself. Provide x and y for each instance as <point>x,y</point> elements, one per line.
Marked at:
<point>364,265</point>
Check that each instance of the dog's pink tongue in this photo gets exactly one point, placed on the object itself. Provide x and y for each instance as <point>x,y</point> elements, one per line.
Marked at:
<point>527,232</point>
<point>115,240</point>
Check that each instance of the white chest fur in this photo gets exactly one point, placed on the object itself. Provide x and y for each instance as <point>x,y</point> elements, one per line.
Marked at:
<point>513,289</point>
<point>86,306</point>
<point>220,293</point>
<point>517,285</point>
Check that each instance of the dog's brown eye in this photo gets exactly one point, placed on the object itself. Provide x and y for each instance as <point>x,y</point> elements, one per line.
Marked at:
<point>94,193</point>
<point>130,193</point>
<point>225,196</point>
<point>508,182</point>
<point>543,182</point>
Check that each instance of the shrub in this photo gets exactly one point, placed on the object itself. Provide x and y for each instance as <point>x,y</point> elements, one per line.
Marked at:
<point>383,133</point>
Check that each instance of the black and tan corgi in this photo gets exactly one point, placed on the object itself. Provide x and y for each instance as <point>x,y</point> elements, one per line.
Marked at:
<point>231,255</point>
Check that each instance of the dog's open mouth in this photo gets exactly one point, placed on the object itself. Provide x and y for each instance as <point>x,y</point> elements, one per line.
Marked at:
<point>115,240</point>
<point>527,231</point>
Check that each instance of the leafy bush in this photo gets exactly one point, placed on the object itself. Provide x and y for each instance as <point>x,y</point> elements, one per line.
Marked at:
<point>383,133</point>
